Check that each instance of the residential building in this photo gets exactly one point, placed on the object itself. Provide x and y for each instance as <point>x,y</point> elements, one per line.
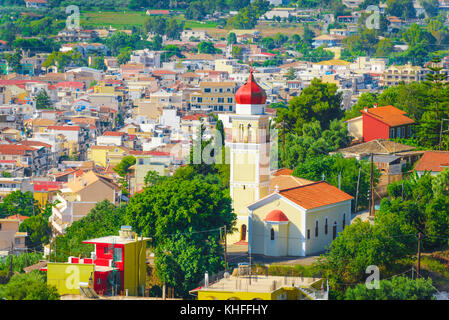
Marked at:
<point>11,240</point>
<point>78,197</point>
<point>107,155</point>
<point>385,123</point>
<point>396,74</point>
<point>213,96</point>
<point>117,266</point>
<point>262,287</point>
<point>433,162</point>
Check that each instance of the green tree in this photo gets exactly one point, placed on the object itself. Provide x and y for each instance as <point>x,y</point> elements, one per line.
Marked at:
<point>43,100</point>
<point>179,205</point>
<point>38,230</point>
<point>182,260</point>
<point>122,169</point>
<point>313,169</point>
<point>206,47</point>
<point>291,74</point>
<point>401,8</point>
<point>21,203</point>
<point>151,178</point>
<point>232,39</point>
<point>98,63</point>
<point>358,246</point>
<point>320,101</point>
<point>398,288</point>
<point>29,286</point>
<point>103,220</point>
<point>14,60</point>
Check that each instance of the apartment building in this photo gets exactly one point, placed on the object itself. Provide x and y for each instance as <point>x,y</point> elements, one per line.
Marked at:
<point>396,74</point>
<point>214,96</point>
<point>77,198</point>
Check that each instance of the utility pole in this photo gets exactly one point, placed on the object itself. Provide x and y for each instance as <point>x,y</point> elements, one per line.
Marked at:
<point>10,265</point>
<point>371,196</point>
<point>419,255</point>
<point>357,192</point>
<point>49,256</point>
<point>283,143</point>
<point>225,250</point>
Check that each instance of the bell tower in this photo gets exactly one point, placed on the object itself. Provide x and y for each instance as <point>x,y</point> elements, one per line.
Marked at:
<point>250,153</point>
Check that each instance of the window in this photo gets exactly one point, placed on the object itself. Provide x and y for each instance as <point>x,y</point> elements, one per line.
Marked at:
<point>392,133</point>
<point>105,250</point>
<point>272,234</point>
<point>99,281</point>
<point>229,100</point>
<point>207,90</point>
<point>118,254</point>
<point>325,227</point>
<point>140,161</point>
<point>308,233</point>
<point>403,132</point>
<point>316,228</point>
<point>399,132</point>
<point>17,240</point>
<point>344,220</point>
<point>200,99</point>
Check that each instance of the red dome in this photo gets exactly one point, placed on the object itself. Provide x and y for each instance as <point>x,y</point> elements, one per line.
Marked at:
<point>250,92</point>
<point>276,216</point>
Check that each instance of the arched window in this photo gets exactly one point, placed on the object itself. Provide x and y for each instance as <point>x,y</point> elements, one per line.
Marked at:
<point>250,131</point>
<point>272,234</point>
<point>316,228</point>
<point>334,230</point>
<point>243,233</point>
<point>241,132</point>
<point>325,227</point>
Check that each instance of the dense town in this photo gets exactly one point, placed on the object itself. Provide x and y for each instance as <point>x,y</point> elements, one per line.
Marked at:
<point>224,150</point>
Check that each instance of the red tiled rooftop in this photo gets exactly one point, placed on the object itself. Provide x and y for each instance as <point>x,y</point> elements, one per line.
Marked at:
<point>434,161</point>
<point>315,195</point>
<point>389,115</point>
<point>64,128</point>
<point>113,134</point>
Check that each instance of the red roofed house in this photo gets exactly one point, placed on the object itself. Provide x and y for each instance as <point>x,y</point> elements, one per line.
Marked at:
<point>433,162</point>
<point>381,123</point>
<point>111,138</point>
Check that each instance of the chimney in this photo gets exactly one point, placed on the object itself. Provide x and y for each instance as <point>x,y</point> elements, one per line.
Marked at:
<point>375,105</point>
<point>206,280</point>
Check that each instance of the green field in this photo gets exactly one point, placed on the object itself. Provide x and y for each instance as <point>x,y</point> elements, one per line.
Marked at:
<point>119,20</point>
<point>128,19</point>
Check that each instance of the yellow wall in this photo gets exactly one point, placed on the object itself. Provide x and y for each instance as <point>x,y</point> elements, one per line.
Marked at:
<point>281,293</point>
<point>135,265</point>
<point>67,276</point>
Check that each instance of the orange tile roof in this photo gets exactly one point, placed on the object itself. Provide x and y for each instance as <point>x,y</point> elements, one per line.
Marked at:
<point>17,217</point>
<point>283,171</point>
<point>434,161</point>
<point>315,195</point>
<point>390,115</point>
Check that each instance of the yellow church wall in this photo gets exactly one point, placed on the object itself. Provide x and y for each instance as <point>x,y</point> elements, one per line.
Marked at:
<point>334,214</point>
<point>294,232</point>
<point>242,197</point>
<point>244,167</point>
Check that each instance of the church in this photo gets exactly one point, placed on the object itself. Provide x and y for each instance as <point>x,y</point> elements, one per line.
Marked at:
<point>277,214</point>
